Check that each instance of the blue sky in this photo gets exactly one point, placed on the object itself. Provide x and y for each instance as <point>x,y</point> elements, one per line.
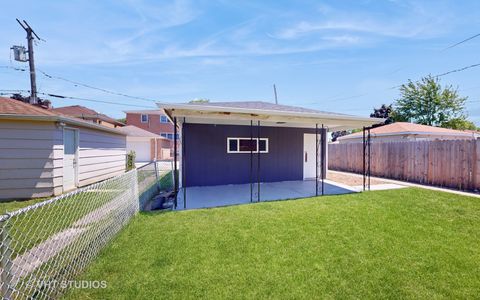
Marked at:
<point>338,56</point>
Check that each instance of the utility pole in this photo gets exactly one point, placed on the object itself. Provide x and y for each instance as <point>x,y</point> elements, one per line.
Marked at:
<point>275,92</point>
<point>31,61</point>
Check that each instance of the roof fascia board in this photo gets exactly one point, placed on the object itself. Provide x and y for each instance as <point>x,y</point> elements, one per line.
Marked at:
<point>326,119</point>
<point>220,109</point>
<point>346,137</point>
<point>60,119</point>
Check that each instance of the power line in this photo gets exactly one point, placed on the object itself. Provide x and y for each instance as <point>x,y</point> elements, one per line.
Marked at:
<point>398,86</point>
<point>91,100</point>
<point>10,92</point>
<point>13,68</point>
<point>25,91</point>
<point>461,42</point>
<point>458,70</point>
<point>76,83</point>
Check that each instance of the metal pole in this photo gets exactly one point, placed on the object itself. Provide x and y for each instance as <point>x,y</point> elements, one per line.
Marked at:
<point>31,64</point>
<point>31,60</point>
<point>251,161</point>
<point>363,151</point>
<point>258,161</point>
<point>184,151</point>
<point>175,173</point>
<point>316,159</point>
<point>369,159</point>
<point>323,159</point>
<point>5,261</point>
<point>275,92</point>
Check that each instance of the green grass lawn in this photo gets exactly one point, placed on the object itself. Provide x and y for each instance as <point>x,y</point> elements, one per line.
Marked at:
<point>408,243</point>
<point>9,206</point>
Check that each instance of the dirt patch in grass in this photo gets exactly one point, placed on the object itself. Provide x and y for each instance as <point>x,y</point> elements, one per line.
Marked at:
<point>350,179</point>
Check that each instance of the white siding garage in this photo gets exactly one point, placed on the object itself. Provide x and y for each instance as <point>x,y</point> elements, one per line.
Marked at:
<point>141,149</point>
<point>30,162</point>
<point>101,155</point>
<point>38,147</point>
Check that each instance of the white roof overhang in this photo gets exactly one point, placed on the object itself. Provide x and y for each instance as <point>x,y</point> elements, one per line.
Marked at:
<point>405,133</point>
<point>210,114</point>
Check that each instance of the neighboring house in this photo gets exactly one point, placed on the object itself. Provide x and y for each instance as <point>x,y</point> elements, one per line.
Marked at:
<point>146,145</point>
<point>88,114</point>
<point>43,153</point>
<point>154,121</point>
<point>474,133</point>
<point>243,142</point>
<point>404,131</point>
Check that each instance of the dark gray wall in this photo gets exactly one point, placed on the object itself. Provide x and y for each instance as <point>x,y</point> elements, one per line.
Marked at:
<point>208,163</point>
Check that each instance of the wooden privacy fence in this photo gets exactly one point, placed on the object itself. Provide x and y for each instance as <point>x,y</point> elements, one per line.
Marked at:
<point>447,163</point>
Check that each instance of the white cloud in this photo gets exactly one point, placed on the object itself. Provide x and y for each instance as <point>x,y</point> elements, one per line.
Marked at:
<point>178,12</point>
<point>408,20</point>
<point>399,29</point>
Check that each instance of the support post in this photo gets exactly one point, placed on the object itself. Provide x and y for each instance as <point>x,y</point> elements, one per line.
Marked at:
<point>323,138</point>
<point>155,150</point>
<point>5,261</point>
<point>258,161</point>
<point>316,159</point>
<point>175,173</point>
<point>184,152</point>
<point>251,161</point>
<point>363,155</point>
<point>369,158</point>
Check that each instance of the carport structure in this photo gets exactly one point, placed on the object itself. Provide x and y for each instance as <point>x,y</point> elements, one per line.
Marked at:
<point>239,152</point>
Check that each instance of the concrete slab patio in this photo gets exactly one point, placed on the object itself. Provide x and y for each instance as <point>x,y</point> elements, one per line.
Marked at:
<point>234,194</point>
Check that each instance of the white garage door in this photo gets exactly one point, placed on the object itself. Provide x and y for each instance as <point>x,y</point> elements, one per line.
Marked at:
<point>141,148</point>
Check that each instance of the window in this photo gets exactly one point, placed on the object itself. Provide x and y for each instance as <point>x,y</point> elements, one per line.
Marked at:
<point>164,119</point>
<point>144,118</point>
<point>169,135</point>
<point>247,145</point>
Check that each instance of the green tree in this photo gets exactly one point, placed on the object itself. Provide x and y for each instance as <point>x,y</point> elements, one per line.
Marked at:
<point>385,111</point>
<point>459,124</point>
<point>427,102</point>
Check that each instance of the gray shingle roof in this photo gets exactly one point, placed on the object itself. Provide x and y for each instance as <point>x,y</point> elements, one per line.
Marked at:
<point>262,105</point>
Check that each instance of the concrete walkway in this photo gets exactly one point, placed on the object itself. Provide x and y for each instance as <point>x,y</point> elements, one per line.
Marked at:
<point>399,184</point>
<point>234,194</point>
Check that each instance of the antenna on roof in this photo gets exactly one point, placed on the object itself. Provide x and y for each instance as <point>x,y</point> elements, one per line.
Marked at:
<point>275,93</point>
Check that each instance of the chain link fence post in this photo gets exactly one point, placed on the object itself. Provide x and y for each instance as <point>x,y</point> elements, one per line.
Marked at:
<point>5,259</point>
<point>136,195</point>
<point>156,169</point>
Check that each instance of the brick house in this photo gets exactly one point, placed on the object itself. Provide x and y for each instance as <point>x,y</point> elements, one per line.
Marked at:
<point>154,121</point>
<point>146,145</point>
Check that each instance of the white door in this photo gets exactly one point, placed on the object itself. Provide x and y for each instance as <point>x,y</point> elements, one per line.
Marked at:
<point>309,153</point>
<point>70,146</point>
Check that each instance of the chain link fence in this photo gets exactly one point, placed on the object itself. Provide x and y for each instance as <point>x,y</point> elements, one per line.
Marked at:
<point>154,178</point>
<point>46,245</point>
